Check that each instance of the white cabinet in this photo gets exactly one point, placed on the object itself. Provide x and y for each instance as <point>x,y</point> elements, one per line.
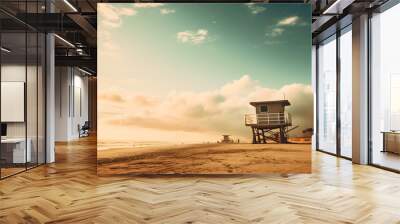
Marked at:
<point>19,155</point>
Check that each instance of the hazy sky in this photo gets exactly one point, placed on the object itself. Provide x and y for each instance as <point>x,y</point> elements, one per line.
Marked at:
<point>197,61</point>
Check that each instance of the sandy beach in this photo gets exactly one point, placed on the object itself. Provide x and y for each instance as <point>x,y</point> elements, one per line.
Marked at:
<point>206,159</point>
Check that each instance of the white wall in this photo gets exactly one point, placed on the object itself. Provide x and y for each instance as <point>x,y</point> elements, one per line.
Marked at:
<point>83,83</point>
<point>71,94</point>
<point>62,82</point>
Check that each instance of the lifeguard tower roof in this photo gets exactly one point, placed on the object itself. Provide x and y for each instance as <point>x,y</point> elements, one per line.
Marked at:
<point>282,102</point>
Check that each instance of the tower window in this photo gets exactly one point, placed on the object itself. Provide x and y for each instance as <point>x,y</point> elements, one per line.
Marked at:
<point>263,108</point>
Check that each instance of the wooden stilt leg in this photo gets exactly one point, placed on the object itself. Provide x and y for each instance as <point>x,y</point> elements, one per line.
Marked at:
<point>254,135</point>
<point>264,138</point>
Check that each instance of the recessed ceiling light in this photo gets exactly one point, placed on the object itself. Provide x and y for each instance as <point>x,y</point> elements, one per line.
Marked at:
<point>337,7</point>
<point>64,40</point>
<point>70,5</point>
<point>84,71</point>
<point>5,50</point>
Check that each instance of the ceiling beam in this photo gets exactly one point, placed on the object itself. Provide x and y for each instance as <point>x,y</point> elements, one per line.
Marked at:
<point>338,6</point>
<point>81,61</point>
<point>49,22</point>
<point>84,24</point>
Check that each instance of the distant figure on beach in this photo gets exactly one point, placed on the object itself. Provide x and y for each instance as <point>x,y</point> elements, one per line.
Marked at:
<point>238,141</point>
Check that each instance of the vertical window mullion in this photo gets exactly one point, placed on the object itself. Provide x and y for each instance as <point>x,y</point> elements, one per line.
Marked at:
<point>317,97</point>
<point>369,115</point>
<point>0,96</point>
<point>26,87</point>
<point>338,80</point>
<point>37,90</point>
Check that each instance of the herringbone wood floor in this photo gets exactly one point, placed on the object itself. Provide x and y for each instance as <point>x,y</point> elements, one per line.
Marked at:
<point>69,191</point>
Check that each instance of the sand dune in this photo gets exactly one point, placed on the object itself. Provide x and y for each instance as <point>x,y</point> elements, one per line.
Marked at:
<point>206,159</point>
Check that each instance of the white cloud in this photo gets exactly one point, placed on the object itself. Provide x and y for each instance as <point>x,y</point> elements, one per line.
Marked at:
<point>194,37</point>
<point>210,113</point>
<point>148,5</point>
<point>277,31</point>
<point>280,27</point>
<point>111,16</point>
<point>106,44</point>
<point>126,11</point>
<point>289,21</point>
<point>273,42</point>
<point>167,11</point>
<point>254,8</point>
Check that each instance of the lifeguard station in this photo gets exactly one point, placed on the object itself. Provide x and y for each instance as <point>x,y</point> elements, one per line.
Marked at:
<point>226,139</point>
<point>270,122</point>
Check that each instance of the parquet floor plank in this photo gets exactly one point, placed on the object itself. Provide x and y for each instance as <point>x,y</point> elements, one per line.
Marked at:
<point>70,191</point>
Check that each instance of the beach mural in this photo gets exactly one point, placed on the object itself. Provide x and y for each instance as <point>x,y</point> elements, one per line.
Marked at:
<point>204,88</point>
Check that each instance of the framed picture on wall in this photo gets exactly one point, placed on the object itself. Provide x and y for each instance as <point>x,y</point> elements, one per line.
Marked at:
<point>204,88</point>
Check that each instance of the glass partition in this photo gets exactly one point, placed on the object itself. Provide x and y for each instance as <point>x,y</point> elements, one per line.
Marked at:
<point>327,95</point>
<point>385,89</point>
<point>346,92</point>
<point>14,155</point>
<point>22,88</point>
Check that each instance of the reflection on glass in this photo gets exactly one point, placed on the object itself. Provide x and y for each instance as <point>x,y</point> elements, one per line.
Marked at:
<point>327,96</point>
<point>385,114</point>
<point>346,94</point>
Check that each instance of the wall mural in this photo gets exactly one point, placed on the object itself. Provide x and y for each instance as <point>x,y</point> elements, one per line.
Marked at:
<point>204,88</point>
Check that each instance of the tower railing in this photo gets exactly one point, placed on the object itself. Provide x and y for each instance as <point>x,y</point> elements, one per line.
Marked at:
<point>268,119</point>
